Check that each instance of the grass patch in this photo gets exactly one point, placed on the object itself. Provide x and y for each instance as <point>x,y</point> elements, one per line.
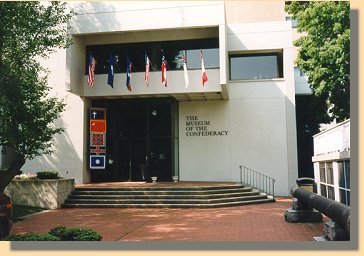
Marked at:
<point>20,211</point>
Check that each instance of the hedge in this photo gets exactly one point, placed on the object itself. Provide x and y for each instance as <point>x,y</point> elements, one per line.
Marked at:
<point>44,175</point>
<point>32,237</point>
<point>59,234</point>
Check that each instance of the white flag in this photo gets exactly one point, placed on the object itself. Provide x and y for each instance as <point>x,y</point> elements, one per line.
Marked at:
<point>187,81</point>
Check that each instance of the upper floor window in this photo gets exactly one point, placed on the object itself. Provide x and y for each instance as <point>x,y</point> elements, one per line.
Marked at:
<point>293,21</point>
<point>172,51</point>
<point>298,72</point>
<point>256,66</point>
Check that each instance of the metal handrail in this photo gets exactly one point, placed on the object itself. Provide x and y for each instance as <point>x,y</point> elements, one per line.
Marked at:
<point>257,180</point>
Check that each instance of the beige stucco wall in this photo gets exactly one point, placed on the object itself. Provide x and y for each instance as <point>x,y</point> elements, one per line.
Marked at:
<point>68,154</point>
<point>254,11</point>
<point>259,116</point>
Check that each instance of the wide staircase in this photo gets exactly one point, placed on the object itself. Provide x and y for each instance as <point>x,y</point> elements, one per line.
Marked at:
<point>165,197</point>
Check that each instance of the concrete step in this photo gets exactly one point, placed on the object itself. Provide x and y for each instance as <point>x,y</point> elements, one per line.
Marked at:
<point>261,201</point>
<point>164,201</point>
<point>164,188</point>
<point>164,197</point>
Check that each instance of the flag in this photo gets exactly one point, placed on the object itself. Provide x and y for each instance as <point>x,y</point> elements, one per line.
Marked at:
<point>204,75</point>
<point>97,162</point>
<point>128,73</point>
<point>187,81</point>
<point>110,76</point>
<point>98,126</point>
<point>147,67</point>
<point>91,71</point>
<point>164,70</point>
<point>97,113</point>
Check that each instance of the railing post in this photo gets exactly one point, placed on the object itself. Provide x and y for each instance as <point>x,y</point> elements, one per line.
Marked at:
<point>241,175</point>
<point>257,180</point>
<point>273,188</point>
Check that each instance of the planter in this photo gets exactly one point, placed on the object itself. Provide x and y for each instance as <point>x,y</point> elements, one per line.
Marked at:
<point>175,178</point>
<point>154,179</point>
<point>48,194</point>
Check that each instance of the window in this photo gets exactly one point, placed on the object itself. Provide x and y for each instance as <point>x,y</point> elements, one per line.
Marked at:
<point>327,180</point>
<point>293,21</point>
<point>172,51</point>
<point>256,66</point>
<point>344,181</point>
<point>298,72</point>
<point>210,58</point>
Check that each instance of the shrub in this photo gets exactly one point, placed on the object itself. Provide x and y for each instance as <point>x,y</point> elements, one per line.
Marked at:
<point>44,175</point>
<point>75,234</point>
<point>25,176</point>
<point>32,237</point>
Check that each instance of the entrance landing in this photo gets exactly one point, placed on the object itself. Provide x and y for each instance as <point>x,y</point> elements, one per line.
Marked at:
<point>157,184</point>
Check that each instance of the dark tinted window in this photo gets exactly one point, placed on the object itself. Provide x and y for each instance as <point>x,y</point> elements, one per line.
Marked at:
<point>256,66</point>
<point>172,51</point>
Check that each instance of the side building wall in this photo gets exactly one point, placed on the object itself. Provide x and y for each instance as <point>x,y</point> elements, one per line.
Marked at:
<point>332,162</point>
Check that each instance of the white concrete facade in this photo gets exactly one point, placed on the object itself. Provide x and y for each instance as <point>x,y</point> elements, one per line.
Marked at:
<point>255,119</point>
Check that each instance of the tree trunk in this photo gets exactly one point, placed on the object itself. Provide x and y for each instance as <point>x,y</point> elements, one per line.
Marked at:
<point>7,176</point>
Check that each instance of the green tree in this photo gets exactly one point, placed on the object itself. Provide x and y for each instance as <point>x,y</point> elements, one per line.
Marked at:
<point>324,52</point>
<point>29,31</point>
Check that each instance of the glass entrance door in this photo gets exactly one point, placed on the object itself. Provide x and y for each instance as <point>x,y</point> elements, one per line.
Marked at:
<point>139,139</point>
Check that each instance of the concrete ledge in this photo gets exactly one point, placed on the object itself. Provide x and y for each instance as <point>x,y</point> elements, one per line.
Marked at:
<point>297,216</point>
<point>48,194</point>
<point>320,239</point>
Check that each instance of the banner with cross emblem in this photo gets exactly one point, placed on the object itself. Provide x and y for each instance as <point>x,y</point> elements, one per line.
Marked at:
<point>97,138</point>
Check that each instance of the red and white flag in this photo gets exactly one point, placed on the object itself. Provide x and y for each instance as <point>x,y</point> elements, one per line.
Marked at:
<point>147,68</point>
<point>91,71</point>
<point>164,70</point>
<point>204,75</point>
<point>187,81</point>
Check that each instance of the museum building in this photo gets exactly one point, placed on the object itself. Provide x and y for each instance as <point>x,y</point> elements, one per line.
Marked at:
<point>188,89</point>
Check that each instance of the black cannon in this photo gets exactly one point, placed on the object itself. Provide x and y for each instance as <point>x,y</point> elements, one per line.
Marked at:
<point>307,183</point>
<point>308,206</point>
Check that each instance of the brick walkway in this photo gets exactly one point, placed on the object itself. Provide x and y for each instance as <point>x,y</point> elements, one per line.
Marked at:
<point>264,222</point>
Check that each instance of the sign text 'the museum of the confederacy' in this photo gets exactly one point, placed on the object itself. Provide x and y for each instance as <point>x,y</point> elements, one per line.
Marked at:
<point>196,127</point>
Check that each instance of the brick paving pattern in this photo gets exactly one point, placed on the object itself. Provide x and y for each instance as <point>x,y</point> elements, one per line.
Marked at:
<point>263,222</point>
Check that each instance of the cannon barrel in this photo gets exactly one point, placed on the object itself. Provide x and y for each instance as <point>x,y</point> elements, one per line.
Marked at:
<point>338,212</point>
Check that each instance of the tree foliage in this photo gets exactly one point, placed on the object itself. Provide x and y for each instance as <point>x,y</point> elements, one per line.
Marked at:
<point>324,51</point>
<point>29,31</point>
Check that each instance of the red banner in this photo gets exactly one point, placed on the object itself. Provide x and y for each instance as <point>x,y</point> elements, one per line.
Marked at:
<point>98,126</point>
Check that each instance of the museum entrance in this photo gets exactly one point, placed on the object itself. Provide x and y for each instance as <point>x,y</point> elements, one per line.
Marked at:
<point>139,140</point>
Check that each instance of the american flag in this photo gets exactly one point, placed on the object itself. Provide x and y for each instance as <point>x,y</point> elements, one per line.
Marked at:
<point>204,75</point>
<point>187,81</point>
<point>128,73</point>
<point>91,71</point>
<point>147,67</point>
<point>164,70</point>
